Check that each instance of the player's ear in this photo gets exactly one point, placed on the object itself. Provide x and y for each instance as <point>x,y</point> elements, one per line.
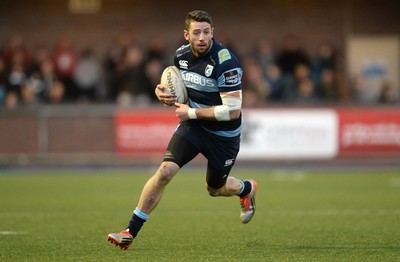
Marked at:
<point>186,35</point>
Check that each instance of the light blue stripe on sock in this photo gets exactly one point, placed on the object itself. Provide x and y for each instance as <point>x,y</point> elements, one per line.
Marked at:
<point>241,191</point>
<point>141,214</point>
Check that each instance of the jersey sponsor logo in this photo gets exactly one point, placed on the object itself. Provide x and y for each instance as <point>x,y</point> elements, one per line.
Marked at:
<point>223,55</point>
<point>232,77</point>
<point>208,71</point>
<point>183,64</point>
<point>197,79</point>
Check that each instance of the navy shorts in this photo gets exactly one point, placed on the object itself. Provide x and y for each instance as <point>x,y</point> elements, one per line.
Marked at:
<point>190,139</point>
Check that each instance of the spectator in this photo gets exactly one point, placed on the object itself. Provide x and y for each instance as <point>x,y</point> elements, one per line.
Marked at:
<point>29,95</point>
<point>3,80</point>
<point>291,54</point>
<point>156,49</point>
<point>40,54</point>
<point>114,62</point>
<point>153,70</point>
<point>256,88</point>
<point>17,50</point>
<point>47,77</point>
<point>155,62</point>
<point>275,82</point>
<point>326,87</point>
<point>57,91</point>
<point>326,59</point>
<point>16,76</point>
<point>11,100</point>
<point>264,53</point>
<point>303,89</point>
<point>88,76</point>
<point>131,85</point>
<point>305,92</point>
<point>65,60</point>
<point>359,90</point>
<point>387,94</point>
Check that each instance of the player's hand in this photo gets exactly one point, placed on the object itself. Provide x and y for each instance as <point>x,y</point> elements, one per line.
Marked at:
<point>165,98</point>
<point>182,111</point>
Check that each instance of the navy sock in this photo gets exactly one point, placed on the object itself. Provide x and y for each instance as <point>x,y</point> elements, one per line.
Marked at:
<point>136,223</point>
<point>246,189</point>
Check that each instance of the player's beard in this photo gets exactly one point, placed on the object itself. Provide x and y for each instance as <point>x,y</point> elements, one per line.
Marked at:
<point>201,50</point>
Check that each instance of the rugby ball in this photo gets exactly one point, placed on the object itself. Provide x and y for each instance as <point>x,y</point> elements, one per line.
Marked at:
<point>171,79</point>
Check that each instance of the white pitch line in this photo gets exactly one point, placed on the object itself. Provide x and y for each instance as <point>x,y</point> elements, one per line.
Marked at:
<point>13,233</point>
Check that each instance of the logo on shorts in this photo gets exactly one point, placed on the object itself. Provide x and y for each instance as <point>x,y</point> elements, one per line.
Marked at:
<point>229,162</point>
<point>168,154</point>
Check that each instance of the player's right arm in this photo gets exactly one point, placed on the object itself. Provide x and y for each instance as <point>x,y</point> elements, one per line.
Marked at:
<point>166,98</point>
<point>228,111</point>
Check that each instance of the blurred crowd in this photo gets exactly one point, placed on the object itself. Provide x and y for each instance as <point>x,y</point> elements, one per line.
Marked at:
<point>127,73</point>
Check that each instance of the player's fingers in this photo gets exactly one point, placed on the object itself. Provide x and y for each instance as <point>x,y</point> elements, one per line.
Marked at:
<point>159,91</point>
<point>167,96</point>
<point>168,102</point>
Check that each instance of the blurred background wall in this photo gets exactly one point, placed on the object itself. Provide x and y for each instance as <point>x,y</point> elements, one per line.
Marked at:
<point>98,21</point>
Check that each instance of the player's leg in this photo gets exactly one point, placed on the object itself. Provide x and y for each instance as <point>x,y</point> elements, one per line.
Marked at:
<point>149,198</point>
<point>233,187</point>
<point>221,154</point>
<point>154,187</point>
<point>179,152</point>
<point>220,184</point>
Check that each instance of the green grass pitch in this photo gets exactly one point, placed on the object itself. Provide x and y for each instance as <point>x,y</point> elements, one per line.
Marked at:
<point>301,216</point>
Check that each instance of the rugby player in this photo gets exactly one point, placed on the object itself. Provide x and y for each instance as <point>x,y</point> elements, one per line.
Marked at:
<point>210,124</point>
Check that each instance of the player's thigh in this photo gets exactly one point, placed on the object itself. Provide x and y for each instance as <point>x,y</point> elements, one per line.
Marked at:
<point>180,151</point>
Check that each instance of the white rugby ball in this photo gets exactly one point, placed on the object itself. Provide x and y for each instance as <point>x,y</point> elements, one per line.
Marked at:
<point>171,79</point>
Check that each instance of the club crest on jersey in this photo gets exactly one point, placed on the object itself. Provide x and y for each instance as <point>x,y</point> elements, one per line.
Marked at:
<point>208,71</point>
<point>223,55</point>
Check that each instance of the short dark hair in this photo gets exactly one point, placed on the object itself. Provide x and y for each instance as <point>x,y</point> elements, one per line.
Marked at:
<point>198,16</point>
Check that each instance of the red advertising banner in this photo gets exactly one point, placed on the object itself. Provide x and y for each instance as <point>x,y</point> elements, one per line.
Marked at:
<point>315,133</point>
<point>144,131</point>
<point>375,130</point>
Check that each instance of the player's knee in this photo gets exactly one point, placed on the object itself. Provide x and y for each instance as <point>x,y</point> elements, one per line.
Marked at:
<point>213,191</point>
<point>167,171</point>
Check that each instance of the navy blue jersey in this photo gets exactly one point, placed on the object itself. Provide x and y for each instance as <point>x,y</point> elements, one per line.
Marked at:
<point>205,77</point>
